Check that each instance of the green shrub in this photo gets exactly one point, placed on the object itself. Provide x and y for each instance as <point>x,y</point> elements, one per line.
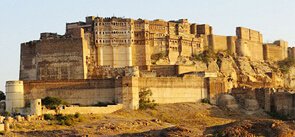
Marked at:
<point>6,113</point>
<point>49,117</point>
<point>61,119</point>
<point>65,119</point>
<point>53,102</point>
<point>144,99</point>
<point>286,64</point>
<point>77,115</point>
<point>2,95</point>
<point>205,56</point>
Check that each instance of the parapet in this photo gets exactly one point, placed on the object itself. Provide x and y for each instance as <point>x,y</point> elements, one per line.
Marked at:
<point>30,43</point>
<point>49,35</point>
<point>281,43</point>
<point>204,29</point>
<point>249,34</point>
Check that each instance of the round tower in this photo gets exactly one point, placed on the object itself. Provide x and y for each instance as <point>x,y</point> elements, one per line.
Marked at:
<point>36,107</point>
<point>14,96</point>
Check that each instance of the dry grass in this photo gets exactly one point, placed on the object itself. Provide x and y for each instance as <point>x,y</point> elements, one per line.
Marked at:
<point>186,118</point>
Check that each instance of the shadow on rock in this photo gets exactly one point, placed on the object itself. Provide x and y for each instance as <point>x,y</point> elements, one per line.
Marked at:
<point>247,128</point>
<point>166,132</point>
<point>49,133</point>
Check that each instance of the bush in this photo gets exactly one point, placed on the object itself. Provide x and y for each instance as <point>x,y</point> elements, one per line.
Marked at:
<point>65,119</point>
<point>6,113</point>
<point>205,56</point>
<point>205,100</point>
<point>49,117</point>
<point>104,104</point>
<point>61,119</point>
<point>53,102</point>
<point>2,95</point>
<point>286,64</point>
<point>77,115</point>
<point>144,99</point>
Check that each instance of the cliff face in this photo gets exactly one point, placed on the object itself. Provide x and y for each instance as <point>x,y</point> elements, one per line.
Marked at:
<point>289,78</point>
<point>242,72</point>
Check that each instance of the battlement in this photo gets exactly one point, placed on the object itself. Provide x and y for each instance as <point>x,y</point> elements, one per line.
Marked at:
<point>204,29</point>
<point>249,34</point>
<point>49,35</point>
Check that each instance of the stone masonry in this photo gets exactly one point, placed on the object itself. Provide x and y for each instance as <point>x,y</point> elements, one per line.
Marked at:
<point>119,42</point>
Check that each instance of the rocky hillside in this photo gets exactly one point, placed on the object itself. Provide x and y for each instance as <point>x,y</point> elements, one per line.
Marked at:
<point>182,119</point>
<point>241,72</point>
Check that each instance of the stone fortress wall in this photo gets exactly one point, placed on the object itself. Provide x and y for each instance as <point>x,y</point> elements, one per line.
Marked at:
<point>120,42</point>
<point>112,59</point>
<point>249,43</point>
<point>117,91</point>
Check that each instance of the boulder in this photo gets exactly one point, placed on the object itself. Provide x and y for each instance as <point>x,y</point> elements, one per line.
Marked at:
<point>227,101</point>
<point>251,104</point>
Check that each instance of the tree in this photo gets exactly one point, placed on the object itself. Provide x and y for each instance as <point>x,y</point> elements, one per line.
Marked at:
<point>52,102</point>
<point>2,95</point>
<point>144,99</point>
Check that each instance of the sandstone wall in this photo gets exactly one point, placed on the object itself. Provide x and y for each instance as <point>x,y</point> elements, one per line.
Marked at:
<point>249,43</point>
<point>218,43</point>
<point>204,29</point>
<point>164,70</point>
<point>125,90</point>
<point>184,69</point>
<point>53,59</point>
<point>83,92</point>
<point>216,87</point>
<point>284,103</point>
<point>272,52</point>
<point>28,66</point>
<point>173,90</point>
<point>87,110</point>
<point>221,43</point>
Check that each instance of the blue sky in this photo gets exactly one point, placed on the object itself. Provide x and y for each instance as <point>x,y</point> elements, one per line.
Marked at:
<point>24,20</point>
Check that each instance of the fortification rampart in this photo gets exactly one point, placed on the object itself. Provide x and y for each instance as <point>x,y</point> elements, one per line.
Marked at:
<point>120,42</point>
<point>61,58</point>
<point>249,43</point>
<point>83,92</point>
<point>119,91</point>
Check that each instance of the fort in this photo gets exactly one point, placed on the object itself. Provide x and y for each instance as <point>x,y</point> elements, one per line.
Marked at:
<point>113,59</point>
